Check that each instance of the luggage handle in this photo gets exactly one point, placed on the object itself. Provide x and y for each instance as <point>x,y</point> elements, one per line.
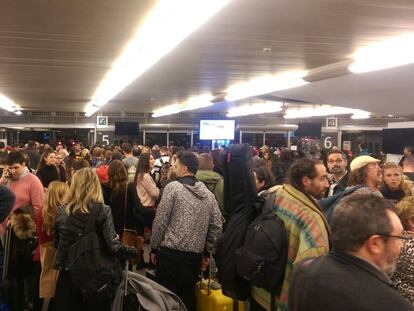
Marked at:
<point>6,252</point>
<point>126,277</point>
<point>209,275</point>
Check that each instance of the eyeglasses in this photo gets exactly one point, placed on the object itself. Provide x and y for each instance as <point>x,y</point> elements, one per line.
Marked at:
<point>406,235</point>
<point>335,161</point>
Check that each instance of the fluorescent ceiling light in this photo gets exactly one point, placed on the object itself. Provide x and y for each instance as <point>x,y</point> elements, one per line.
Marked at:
<point>358,115</point>
<point>265,85</point>
<point>323,110</point>
<point>90,110</point>
<point>9,105</point>
<point>193,103</point>
<point>395,52</point>
<point>168,23</point>
<point>259,108</point>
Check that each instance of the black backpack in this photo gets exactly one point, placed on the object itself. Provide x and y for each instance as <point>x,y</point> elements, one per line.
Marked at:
<point>93,270</point>
<point>160,173</point>
<point>262,258</point>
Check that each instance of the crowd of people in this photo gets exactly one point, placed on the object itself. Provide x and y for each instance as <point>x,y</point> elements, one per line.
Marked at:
<point>348,221</point>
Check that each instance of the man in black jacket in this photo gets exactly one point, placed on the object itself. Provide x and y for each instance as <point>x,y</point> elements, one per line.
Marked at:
<point>366,237</point>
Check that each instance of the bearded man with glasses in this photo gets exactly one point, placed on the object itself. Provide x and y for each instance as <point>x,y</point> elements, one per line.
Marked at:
<point>337,166</point>
<point>366,238</point>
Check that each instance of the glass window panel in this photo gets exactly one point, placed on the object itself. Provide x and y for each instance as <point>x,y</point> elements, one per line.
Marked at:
<point>253,139</point>
<point>180,139</point>
<point>152,139</point>
<point>276,140</point>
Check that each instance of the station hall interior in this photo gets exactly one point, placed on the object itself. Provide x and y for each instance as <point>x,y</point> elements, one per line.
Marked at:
<point>70,70</point>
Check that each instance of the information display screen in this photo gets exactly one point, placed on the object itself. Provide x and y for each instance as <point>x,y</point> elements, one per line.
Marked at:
<point>217,129</point>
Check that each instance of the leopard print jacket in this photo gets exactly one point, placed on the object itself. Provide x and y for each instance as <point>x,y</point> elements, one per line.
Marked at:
<point>403,278</point>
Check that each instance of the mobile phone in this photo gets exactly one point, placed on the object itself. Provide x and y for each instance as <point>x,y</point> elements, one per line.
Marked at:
<point>6,172</point>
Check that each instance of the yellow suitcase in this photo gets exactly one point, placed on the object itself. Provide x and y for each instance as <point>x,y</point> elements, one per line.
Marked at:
<point>209,299</point>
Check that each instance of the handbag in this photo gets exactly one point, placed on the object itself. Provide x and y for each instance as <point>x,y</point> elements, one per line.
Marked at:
<point>130,236</point>
<point>48,276</point>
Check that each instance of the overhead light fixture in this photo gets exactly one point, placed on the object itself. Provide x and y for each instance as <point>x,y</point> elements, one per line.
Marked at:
<point>259,108</point>
<point>169,23</point>
<point>193,103</point>
<point>361,114</point>
<point>265,84</point>
<point>324,110</point>
<point>395,52</point>
<point>90,110</point>
<point>328,72</point>
<point>9,105</point>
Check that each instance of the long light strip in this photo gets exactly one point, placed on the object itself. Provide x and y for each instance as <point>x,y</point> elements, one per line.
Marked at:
<point>193,103</point>
<point>169,23</point>
<point>265,85</point>
<point>252,109</point>
<point>324,110</point>
<point>9,105</point>
<point>395,52</point>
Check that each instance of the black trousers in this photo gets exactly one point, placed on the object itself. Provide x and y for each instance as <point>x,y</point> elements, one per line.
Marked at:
<point>142,221</point>
<point>254,306</point>
<point>178,271</point>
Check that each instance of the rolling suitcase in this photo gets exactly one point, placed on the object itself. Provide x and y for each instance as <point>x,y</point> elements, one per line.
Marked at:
<point>209,296</point>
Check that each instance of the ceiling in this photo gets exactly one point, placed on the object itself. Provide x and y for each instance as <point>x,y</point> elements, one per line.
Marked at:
<point>53,54</point>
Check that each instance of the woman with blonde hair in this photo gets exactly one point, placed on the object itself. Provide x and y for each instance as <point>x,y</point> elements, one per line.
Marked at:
<point>403,277</point>
<point>53,199</point>
<point>395,185</point>
<point>83,200</point>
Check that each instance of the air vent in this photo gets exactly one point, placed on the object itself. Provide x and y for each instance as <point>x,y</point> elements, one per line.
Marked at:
<point>41,113</point>
<point>65,114</point>
<point>111,114</point>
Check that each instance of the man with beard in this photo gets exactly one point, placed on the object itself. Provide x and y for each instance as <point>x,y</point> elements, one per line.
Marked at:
<point>306,226</point>
<point>366,173</point>
<point>366,238</point>
<point>337,163</point>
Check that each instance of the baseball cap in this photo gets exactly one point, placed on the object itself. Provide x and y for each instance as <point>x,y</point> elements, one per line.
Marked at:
<point>361,161</point>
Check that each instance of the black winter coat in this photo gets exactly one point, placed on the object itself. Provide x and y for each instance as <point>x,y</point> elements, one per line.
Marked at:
<point>7,199</point>
<point>342,282</point>
<point>117,203</point>
<point>48,173</point>
<point>69,229</point>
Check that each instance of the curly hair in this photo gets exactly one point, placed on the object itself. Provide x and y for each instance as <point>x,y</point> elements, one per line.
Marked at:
<point>357,177</point>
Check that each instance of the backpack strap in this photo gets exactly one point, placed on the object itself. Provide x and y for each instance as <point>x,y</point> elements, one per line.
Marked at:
<point>269,201</point>
<point>93,215</point>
